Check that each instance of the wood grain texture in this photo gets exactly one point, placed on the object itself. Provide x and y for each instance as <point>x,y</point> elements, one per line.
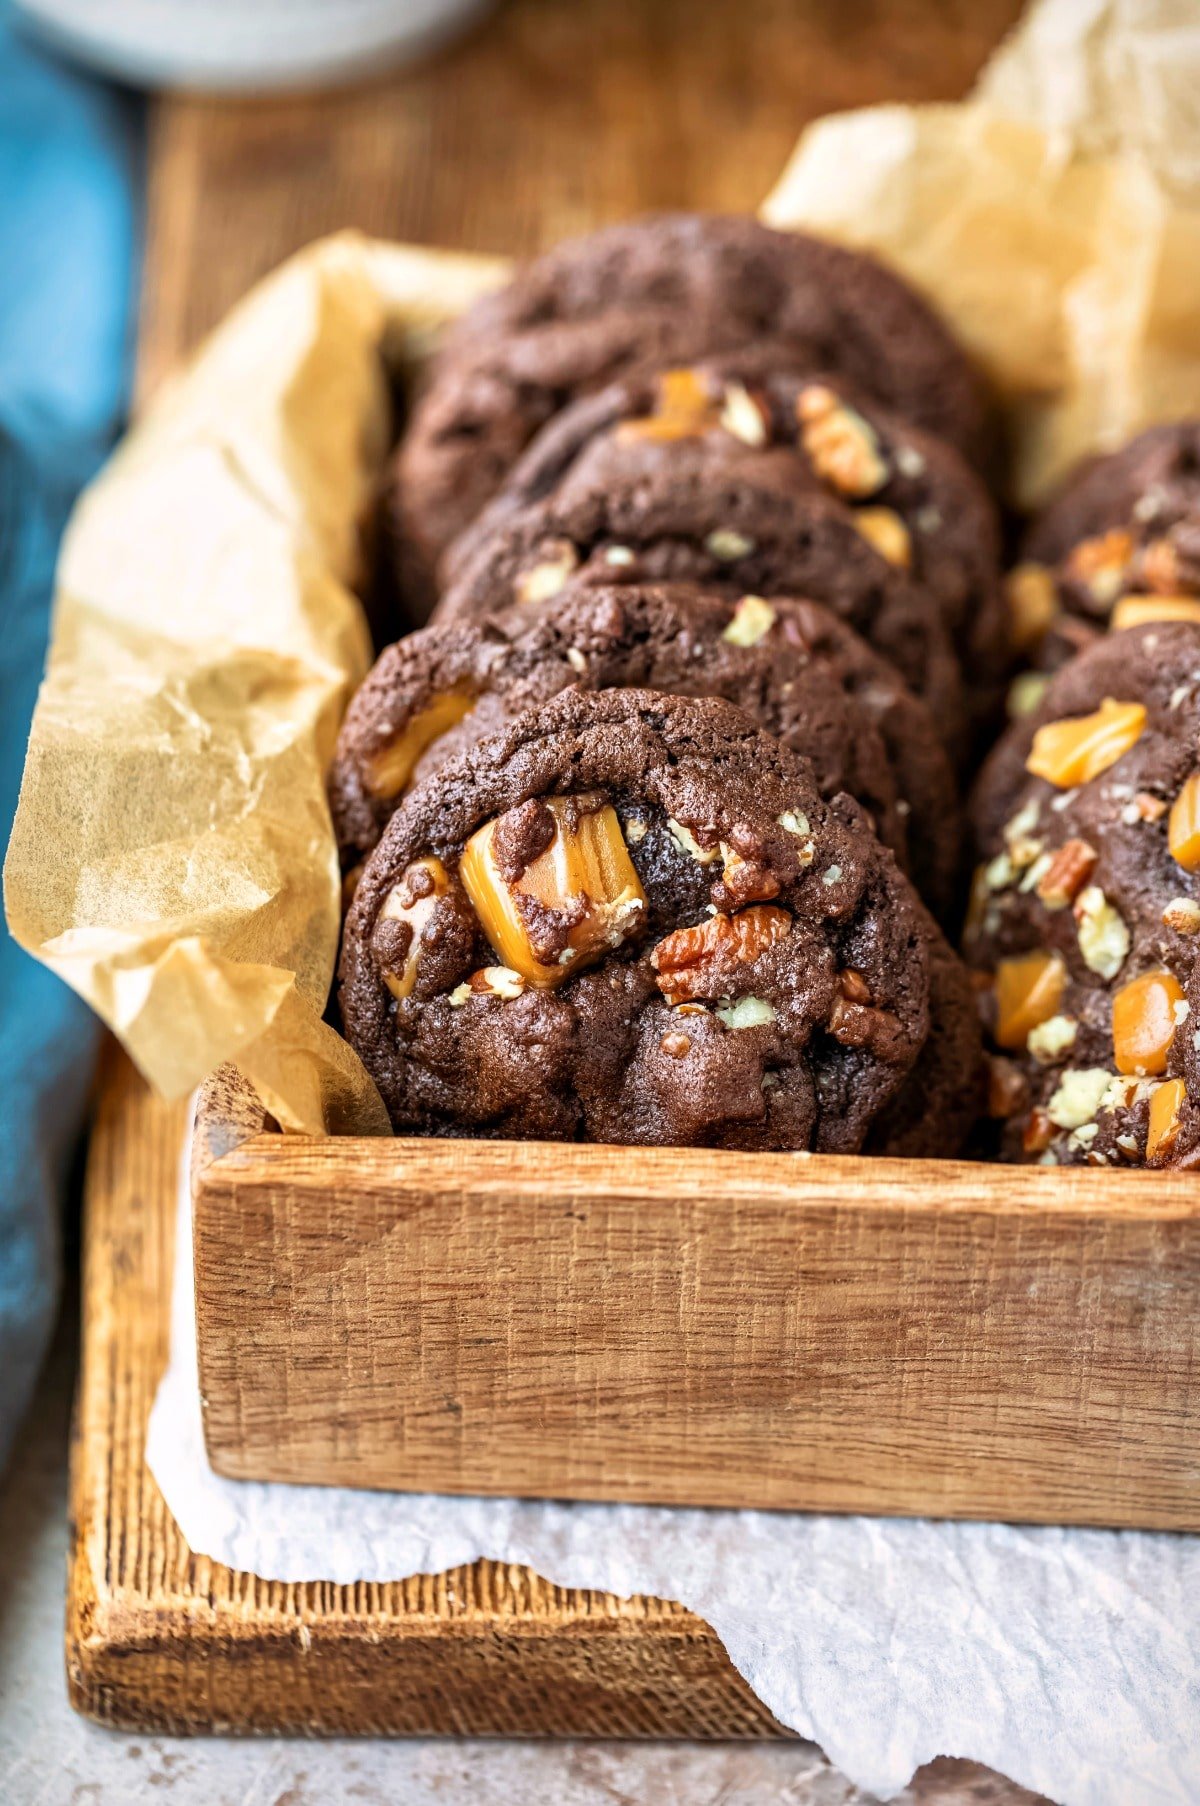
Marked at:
<point>161,1639</point>
<point>688,1328</point>
<point>553,116</point>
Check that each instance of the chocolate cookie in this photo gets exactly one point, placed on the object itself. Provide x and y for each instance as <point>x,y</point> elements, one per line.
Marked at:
<point>1117,547</point>
<point>650,292</point>
<point>940,1102</point>
<point>1087,906</point>
<point>615,491</point>
<point>798,671</point>
<point>911,496</point>
<point>633,918</point>
<point>1153,480</point>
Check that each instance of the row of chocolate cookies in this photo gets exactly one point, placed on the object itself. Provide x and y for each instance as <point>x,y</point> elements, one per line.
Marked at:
<point>1086,903</point>
<point>615,886</point>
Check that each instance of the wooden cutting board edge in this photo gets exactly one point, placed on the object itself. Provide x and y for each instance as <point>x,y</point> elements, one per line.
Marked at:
<point>159,1639</point>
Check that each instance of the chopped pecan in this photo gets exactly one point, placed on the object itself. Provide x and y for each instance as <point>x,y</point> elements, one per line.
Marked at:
<point>1158,568</point>
<point>744,881</point>
<point>1007,1087</point>
<point>842,445</point>
<point>698,961</point>
<point>1068,872</point>
<point>853,986</point>
<point>861,1025</point>
<point>544,579</point>
<point>1099,564</point>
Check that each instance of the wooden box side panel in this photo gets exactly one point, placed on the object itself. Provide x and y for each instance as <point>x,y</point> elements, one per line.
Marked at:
<point>840,1335</point>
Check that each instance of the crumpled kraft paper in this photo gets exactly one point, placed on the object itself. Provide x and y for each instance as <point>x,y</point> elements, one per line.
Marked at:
<point>172,856</point>
<point>1054,219</point>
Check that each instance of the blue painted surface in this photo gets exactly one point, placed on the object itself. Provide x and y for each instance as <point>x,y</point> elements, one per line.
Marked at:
<point>70,187</point>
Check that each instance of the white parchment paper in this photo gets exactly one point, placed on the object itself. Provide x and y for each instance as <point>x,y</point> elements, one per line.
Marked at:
<point>1068,1660</point>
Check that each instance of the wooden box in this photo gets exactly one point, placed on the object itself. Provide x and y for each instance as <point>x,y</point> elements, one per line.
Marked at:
<point>689,1327</point>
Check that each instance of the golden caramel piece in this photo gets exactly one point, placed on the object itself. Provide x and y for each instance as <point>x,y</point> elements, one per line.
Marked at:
<point>1076,750</point>
<point>1136,611</point>
<point>675,1045</point>
<point>584,876</point>
<point>1144,1020</point>
<point>696,962</point>
<point>1028,991</point>
<point>883,529</point>
<point>412,902</point>
<point>389,769</point>
<point>842,446</point>
<point>1165,1106</point>
<point>1183,825</point>
<point>1067,873</point>
<point>1100,563</point>
<point>684,408</point>
<point>1032,604</point>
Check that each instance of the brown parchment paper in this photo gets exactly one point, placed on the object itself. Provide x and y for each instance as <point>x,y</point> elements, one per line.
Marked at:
<point>172,856</point>
<point>1054,219</point>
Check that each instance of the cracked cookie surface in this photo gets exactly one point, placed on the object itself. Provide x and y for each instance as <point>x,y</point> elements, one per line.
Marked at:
<point>645,293</point>
<point>794,667</point>
<point>1117,547</point>
<point>605,496</point>
<point>1086,908</point>
<point>633,918</point>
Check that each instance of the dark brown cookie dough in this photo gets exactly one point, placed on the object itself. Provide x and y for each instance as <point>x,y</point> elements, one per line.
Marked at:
<point>1118,546</point>
<point>794,667</point>
<point>909,495</point>
<point>940,1102</point>
<point>684,943</point>
<point>1086,908</point>
<point>1154,480</point>
<point>602,500</point>
<point>654,291</point>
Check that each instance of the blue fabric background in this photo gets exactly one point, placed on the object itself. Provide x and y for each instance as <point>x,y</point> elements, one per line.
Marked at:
<point>69,215</point>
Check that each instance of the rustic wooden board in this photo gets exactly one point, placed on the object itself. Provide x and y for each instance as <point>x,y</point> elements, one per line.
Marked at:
<point>699,1329</point>
<point>161,1639</point>
<point>552,117</point>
